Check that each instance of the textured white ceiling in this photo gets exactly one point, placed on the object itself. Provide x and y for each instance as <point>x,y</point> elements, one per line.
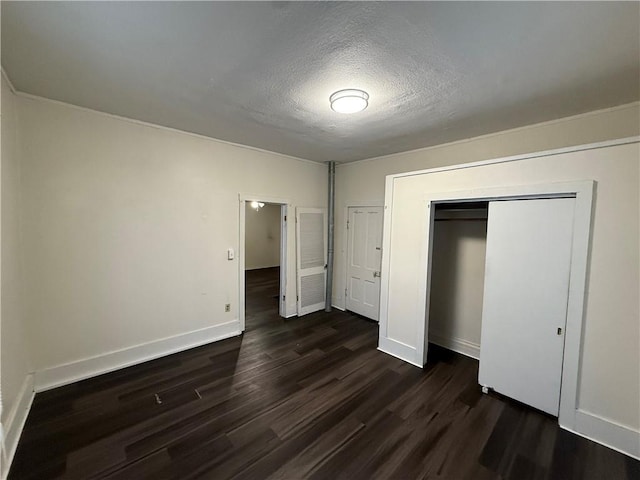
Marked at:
<point>261,73</point>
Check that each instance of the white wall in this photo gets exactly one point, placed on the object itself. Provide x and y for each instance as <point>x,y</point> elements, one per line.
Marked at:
<point>14,351</point>
<point>363,182</point>
<point>609,380</point>
<point>455,314</point>
<point>126,228</point>
<point>262,236</point>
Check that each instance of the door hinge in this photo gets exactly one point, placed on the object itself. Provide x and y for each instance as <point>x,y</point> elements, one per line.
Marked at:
<point>284,297</point>
<point>285,218</point>
<point>347,224</point>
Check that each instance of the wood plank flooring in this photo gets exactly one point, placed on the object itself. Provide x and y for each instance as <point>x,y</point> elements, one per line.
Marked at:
<point>307,397</point>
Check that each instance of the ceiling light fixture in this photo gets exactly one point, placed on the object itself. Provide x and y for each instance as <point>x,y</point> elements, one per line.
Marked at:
<point>349,101</point>
<point>257,205</point>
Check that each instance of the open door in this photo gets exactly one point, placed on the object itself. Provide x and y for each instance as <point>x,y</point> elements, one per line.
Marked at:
<point>311,250</point>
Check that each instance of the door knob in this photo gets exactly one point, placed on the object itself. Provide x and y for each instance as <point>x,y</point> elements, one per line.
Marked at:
<point>376,274</point>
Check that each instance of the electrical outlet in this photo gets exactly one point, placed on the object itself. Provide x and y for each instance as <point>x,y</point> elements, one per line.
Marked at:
<point>227,307</point>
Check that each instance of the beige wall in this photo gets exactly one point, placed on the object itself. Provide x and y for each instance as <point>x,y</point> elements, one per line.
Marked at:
<point>126,228</point>
<point>262,237</point>
<point>15,350</point>
<point>362,182</point>
<point>458,281</point>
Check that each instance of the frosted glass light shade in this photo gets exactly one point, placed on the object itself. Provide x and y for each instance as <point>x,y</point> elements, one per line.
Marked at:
<point>349,101</point>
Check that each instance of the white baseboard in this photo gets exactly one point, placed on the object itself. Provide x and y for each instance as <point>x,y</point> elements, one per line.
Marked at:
<point>459,345</point>
<point>108,362</point>
<point>15,421</point>
<point>399,350</point>
<point>607,432</point>
<point>339,308</point>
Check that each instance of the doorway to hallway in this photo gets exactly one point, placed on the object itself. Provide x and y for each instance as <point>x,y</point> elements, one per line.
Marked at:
<point>262,287</point>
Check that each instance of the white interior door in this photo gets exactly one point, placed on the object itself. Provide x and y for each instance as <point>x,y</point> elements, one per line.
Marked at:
<point>364,252</point>
<point>311,259</point>
<point>526,290</point>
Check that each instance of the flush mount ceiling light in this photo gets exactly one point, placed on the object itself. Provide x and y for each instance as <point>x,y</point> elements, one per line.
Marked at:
<point>349,101</point>
<point>257,205</point>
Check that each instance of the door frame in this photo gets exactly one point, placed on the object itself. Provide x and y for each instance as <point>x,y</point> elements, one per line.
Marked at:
<point>285,241</point>
<point>345,241</point>
<point>583,192</point>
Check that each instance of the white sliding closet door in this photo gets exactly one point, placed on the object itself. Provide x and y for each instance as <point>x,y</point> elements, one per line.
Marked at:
<point>311,259</point>
<point>526,290</point>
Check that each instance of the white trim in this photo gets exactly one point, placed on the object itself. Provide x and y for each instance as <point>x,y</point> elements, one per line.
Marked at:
<point>284,259</point>
<point>459,345</point>
<point>607,432</point>
<point>30,96</point>
<point>90,367</point>
<point>385,264</point>
<point>16,420</point>
<point>399,350</point>
<point>524,156</point>
<point>250,197</point>
<point>497,134</point>
<point>242,219</point>
<point>339,308</point>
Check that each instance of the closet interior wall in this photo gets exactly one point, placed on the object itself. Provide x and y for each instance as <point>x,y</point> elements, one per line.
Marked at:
<point>457,276</point>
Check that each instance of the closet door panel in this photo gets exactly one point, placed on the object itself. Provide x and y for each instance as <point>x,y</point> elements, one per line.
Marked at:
<point>525,299</point>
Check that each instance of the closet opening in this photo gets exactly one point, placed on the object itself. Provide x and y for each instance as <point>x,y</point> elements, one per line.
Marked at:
<point>499,284</point>
<point>457,276</point>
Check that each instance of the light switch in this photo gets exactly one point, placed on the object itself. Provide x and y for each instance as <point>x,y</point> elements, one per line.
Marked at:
<point>231,254</point>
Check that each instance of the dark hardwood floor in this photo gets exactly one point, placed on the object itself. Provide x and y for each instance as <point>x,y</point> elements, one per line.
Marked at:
<point>307,397</point>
